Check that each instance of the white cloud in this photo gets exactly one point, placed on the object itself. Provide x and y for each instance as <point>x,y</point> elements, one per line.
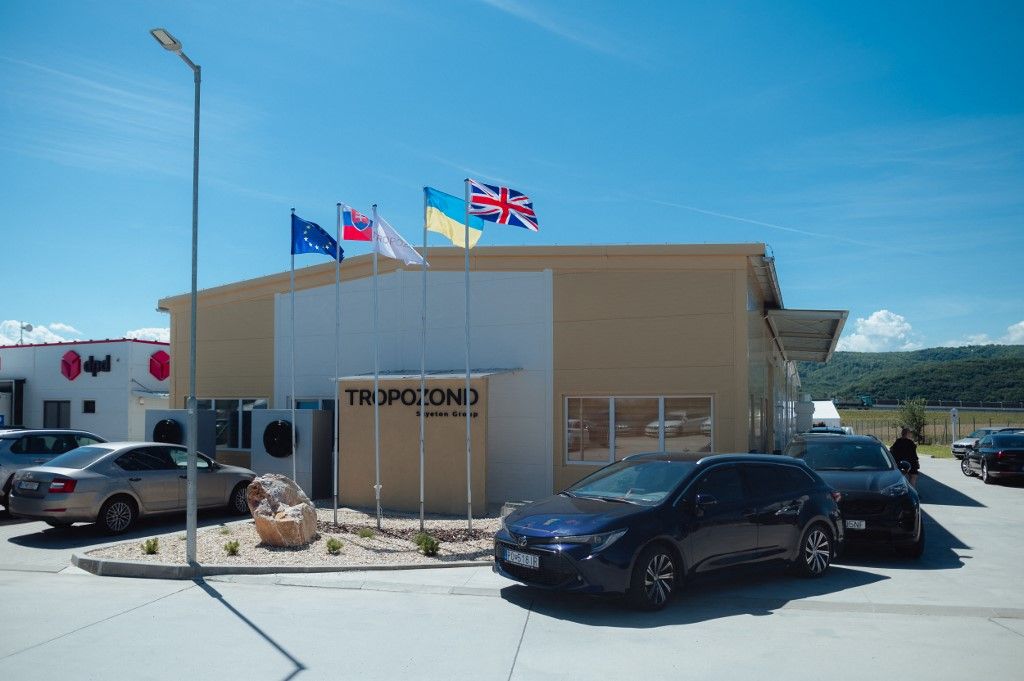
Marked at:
<point>881,331</point>
<point>1014,336</point>
<point>65,329</point>
<point>152,333</point>
<point>55,332</point>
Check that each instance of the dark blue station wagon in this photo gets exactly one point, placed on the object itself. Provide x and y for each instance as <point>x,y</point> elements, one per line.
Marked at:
<point>639,526</point>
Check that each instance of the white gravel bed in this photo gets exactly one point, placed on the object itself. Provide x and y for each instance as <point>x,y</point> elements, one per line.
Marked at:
<point>384,548</point>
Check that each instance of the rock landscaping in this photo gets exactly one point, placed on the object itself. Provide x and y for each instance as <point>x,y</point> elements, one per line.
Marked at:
<point>362,543</point>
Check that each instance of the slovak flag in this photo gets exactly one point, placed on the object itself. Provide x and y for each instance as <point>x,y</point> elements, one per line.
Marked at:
<point>502,205</point>
<point>355,226</point>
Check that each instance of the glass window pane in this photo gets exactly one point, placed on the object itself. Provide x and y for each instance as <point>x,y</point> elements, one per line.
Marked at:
<point>227,423</point>
<point>307,404</point>
<point>592,429</point>
<point>636,425</point>
<point>688,424</point>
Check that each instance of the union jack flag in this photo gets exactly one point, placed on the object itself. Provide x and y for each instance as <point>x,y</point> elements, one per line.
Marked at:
<point>502,205</point>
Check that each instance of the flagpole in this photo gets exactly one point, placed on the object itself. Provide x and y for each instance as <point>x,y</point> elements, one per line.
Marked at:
<point>292,306</point>
<point>465,399</point>
<point>423,361</point>
<point>376,372</point>
<point>337,355</point>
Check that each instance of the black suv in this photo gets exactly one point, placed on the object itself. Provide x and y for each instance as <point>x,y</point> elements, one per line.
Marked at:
<point>877,503</point>
<point>638,526</point>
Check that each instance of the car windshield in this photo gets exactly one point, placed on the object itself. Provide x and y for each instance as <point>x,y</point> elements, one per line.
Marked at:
<point>978,434</point>
<point>638,482</point>
<point>842,455</point>
<point>1009,441</point>
<point>78,458</point>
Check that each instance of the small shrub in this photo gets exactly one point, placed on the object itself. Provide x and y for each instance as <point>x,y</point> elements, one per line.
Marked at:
<point>365,533</point>
<point>225,530</point>
<point>151,546</point>
<point>182,537</point>
<point>231,547</point>
<point>427,544</point>
<point>334,545</point>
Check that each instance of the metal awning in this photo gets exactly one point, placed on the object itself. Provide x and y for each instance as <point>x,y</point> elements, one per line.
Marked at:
<point>807,335</point>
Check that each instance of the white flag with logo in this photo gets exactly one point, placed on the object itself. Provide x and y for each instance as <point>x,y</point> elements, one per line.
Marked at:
<point>391,244</point>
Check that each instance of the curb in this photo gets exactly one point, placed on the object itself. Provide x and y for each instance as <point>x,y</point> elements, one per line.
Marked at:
<point>143,570</point>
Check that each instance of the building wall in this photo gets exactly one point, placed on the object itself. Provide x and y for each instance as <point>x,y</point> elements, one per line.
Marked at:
<point>510,318</point>
<point>650,332</point>
<point>113,392</point>
<point>617,320</point>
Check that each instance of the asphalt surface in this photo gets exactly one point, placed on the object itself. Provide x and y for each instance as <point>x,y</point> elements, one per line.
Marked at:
<point>957,613</point>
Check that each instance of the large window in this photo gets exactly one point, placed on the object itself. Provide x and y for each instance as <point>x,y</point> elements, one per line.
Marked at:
<point>234,420</point>
<point>599,430</point>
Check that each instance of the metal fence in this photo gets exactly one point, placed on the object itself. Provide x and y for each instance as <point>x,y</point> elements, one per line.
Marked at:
<point>936,430</point>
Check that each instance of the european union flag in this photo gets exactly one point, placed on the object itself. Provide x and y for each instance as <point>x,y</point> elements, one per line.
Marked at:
<point>309,237</point>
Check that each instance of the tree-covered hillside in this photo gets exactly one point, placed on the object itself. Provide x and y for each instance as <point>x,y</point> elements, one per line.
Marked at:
<point>972,373</point>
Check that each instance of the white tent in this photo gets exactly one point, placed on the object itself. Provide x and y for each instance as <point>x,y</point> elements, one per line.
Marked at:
<point>825,413</point>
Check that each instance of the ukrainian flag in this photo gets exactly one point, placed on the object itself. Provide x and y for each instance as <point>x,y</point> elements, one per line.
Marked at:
<point>446,214</point>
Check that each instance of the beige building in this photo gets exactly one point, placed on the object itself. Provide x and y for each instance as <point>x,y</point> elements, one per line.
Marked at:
<point>581,356</point>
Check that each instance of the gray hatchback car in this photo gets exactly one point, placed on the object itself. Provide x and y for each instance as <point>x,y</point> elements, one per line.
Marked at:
<point>23,448</point>
<point>115,483</point>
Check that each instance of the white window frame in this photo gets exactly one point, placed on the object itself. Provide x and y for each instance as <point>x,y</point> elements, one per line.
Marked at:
<point>611,422</point>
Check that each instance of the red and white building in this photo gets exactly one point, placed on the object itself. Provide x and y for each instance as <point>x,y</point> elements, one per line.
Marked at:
<point>104,387</point>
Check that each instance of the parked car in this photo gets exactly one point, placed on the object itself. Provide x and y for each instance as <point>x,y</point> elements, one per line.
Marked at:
<point>996,456</point>
<point>21,448</point>
<point>832,430</point>
<point>878,505</point>
<point>115,483</point>
<point>640,525</point>
<point>676,423</point>
<point>705,426</point>
<point>961,446</point>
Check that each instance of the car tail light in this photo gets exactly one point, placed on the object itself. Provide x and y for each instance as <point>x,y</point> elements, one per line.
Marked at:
<point>62,485</point>
<point>837,496</point>
<point>1000,455</point>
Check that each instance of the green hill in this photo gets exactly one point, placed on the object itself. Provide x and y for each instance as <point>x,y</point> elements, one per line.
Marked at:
<point>973,373</point>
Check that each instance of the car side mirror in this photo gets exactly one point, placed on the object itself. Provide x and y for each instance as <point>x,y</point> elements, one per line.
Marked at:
<point>703,501</point>
<point>905,467</point>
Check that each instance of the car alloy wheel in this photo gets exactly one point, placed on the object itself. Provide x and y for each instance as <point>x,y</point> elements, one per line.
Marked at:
<point>656,573</point>
<point>239,504</point>
<point>659,577</point>
<point>117,515</point>
<point>965,467</point>
<point>817,551</point>
<point>985,476</point>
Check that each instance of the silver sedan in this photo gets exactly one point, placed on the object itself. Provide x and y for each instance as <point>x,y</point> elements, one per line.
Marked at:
<point>115,483</point>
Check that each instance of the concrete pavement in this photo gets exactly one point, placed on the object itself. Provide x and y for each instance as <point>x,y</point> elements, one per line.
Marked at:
<point>956,614</point>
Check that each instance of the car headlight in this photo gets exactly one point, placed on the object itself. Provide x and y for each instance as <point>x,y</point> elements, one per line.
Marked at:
<point>503,525</point>
<point>897,490</point>
<point>597,542</point>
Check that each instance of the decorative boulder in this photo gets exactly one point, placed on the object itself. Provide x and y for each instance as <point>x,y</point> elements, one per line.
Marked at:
<point>283,513</point>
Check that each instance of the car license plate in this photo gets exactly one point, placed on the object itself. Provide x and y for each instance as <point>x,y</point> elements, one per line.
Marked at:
<point>25,484</point>
<point>524,559</point>
<point>856,524</point>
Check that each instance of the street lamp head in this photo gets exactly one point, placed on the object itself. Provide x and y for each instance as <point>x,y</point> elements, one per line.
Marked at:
<point>27,327</point>
<point>168,41</point>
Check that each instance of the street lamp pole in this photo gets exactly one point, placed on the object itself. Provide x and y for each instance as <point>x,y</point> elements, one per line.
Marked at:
<point>168,42</point>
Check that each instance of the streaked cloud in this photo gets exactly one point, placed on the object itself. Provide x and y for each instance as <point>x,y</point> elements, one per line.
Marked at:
<point>572,29</point>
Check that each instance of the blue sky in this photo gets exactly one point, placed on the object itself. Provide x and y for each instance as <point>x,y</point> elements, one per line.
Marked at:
<point>877,149</point>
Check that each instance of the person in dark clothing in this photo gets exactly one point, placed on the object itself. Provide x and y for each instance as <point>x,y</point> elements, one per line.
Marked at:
<point>905,449</point>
